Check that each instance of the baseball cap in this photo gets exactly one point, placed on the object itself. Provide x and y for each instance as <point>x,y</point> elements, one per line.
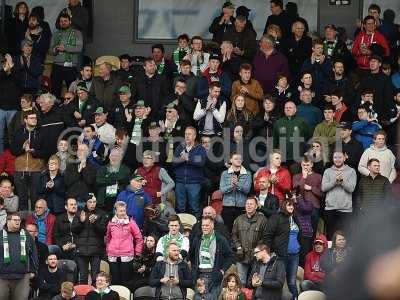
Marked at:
<point>99,110</point>
<point>124,89</point>
<point>345,125</point>
<point>228,4</point>
<point>140,103</point>
<point>137,177</point>
<point>242,11</point>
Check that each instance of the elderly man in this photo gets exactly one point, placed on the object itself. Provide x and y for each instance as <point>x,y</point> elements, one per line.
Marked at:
<point>210,257</point>
<point>19,260</point>
<point>293,131</point>
<point>104,131</point>
<point>44,221</point>
<point>219,226</point>
<point>105,86</point>
<point>111,180</point>
<point>122,109</point>
<point>51,122</point>
<point>269,63</point>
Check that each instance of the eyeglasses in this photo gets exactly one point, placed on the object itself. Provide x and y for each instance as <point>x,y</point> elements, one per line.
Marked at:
<point>16,220</point>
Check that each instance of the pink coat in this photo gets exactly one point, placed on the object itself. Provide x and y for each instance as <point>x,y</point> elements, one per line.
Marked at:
<point>123,239</point>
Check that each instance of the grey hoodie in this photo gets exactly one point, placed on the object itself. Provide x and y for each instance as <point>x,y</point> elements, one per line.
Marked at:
<point>339,196</point>
<point>386,161</point>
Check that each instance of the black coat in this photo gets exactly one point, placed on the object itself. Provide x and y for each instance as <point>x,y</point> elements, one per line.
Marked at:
<point>9,90</point>
<point>50,283</point>
<point>245,40</point>
<point>66,232</point>
<point>273,281</point>
<point>154,91</point>
<point>282,20</point>
<point>90,240</point>
<point>55,196</point>
<point>297,52</point>
<point>271,206</point>
<point>52,125</point>
<point>382,87</point>
<point>223,259</point>
<point>36,138</point>
<point>117,118</point>
<point>185,278</point>
<point>80,184</point>
<point>277,234</point>
<point>87,113</point>
<point>93,295</point>
<point>218,30</point>
<point>354,151</point>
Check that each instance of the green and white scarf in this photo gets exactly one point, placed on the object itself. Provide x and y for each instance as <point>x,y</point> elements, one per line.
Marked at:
<point>168,238</point>
<point>329,47</point>
<point>205,261</point>
<point>160,67</point>
<point>136,132</point>
<point>6,247</point>
<point>179,54</point>
<point>69,42</point>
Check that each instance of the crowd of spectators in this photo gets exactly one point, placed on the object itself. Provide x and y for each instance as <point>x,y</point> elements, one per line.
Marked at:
<point>222,167</point>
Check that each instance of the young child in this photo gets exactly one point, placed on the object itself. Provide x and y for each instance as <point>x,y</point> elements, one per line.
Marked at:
<point>231,288</point>
<point>11,201</point>
<point>183,50</point>
<point>201,292</point>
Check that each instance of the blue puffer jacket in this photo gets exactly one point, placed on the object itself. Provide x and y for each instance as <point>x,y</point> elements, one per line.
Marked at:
<point>364,132</point>
<point>235,197</point>
<point>135,201</point>
<point>191,171</point>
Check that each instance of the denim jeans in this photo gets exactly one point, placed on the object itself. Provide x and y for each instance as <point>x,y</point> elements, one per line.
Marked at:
<point>243,271</point>
<point>5,119</point>
<point>291,265</point>
<point>188,194</point>
<point>215,290</point>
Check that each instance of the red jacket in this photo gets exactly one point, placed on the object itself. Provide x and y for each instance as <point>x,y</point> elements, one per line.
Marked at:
<point>312,267</point>
<point>7,161</point>
<point>282,186</point>
<point>50,219</point>
<point>362,37</point>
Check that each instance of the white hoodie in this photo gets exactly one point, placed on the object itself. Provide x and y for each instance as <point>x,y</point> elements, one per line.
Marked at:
<point>386,159</point>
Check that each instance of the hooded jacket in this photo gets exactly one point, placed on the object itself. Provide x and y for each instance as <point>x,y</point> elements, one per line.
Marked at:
<point>123,238</point>
<point>49,221</point>
<point>312,267</point>
<point>135,201</point>
<point>386,160</point>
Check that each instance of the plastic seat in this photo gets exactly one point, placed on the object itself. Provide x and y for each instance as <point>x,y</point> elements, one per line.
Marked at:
<point>70,268</point>
<point>299,277</point>
<point>312,295</point>
<point>122,291</point>
<point>105,267</point>
<point>112,60</point>
<point>216,201</point>
<point>82,290</point>
<point>187,219</point>
<point>189,294</point>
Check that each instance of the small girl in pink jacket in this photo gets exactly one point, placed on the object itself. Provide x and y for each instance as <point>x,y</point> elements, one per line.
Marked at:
<point>124,242</point>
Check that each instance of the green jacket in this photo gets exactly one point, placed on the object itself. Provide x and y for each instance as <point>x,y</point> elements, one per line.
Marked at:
<point>285,129</point>
<point>105,179</point>
<point>326,130</point>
